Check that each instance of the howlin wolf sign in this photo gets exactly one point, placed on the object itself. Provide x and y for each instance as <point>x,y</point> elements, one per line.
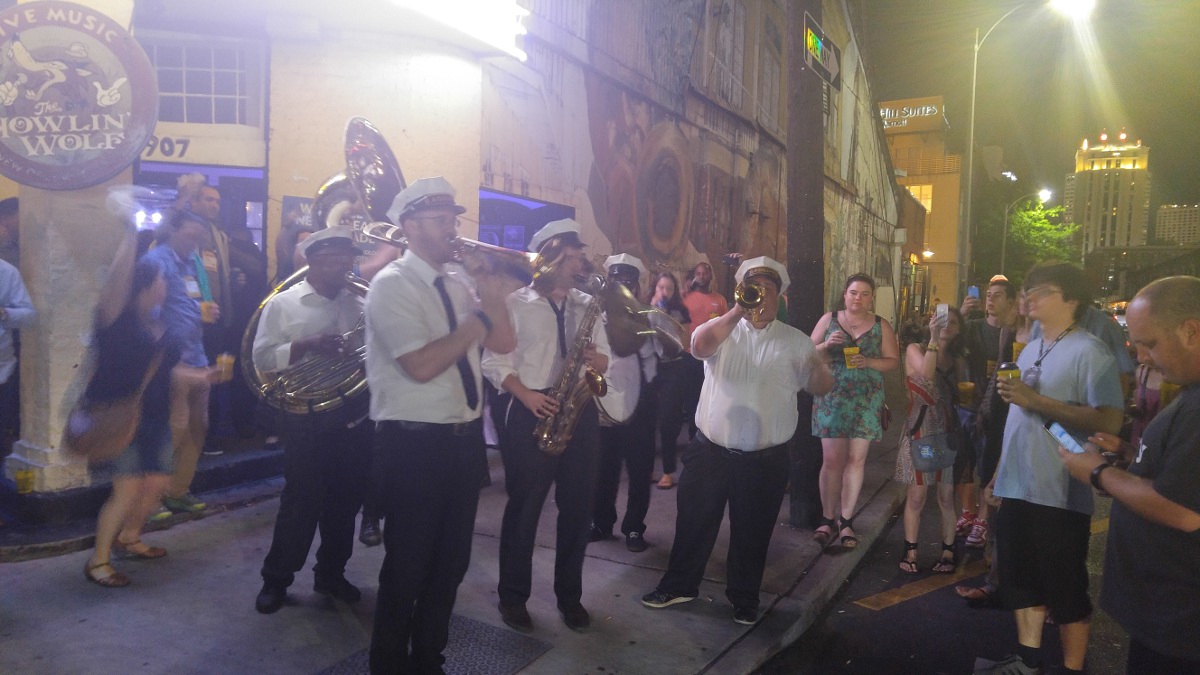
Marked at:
<point>78,97</point>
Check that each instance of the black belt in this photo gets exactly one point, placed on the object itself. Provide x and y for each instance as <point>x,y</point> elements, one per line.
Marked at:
<point>765,453</point>
<point>452,428</point>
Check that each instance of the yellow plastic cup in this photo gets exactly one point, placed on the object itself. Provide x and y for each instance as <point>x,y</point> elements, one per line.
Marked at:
<point>966,393</point>
<point>849,352</point>
<point>225,366</point>
<point>24,479</point>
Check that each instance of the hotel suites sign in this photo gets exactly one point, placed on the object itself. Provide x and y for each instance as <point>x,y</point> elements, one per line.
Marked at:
<point>913,114</point>
<point>78,97</point>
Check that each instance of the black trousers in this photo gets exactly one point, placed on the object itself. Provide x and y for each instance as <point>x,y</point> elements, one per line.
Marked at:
<point>326,474</point>
<point>428,481</point>
<point>633,444</point>
<point>672,386</point>
<point>528,474</point>
<point>752,484</point>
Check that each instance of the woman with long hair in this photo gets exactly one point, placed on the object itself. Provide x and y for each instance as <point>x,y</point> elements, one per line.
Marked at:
<point>129,340</point>
<point>932,373</point>
<point>672,377</point>
<point>861,347</point>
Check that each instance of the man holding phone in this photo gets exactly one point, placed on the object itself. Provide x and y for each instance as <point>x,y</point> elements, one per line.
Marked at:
<point>1043,526</point>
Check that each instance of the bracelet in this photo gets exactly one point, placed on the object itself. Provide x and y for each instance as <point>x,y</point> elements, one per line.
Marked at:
<point>484,319</point>
<point>931,348</point>
<point>1096,474</point>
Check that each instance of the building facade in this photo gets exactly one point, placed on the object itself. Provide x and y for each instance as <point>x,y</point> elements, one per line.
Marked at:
<point>1179,224</point>
<point>1108,196</point>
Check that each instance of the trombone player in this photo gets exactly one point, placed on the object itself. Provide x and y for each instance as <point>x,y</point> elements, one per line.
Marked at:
<point>325,464</point>
<point>547,316</point>
<point>424,333</point>
<point>754,366</point>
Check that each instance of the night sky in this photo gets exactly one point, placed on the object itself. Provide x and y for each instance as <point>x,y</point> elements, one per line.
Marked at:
<point>1043,86</point>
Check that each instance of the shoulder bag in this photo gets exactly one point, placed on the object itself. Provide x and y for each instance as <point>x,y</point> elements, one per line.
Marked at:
<point>931,452</point>
<point>100,432</point>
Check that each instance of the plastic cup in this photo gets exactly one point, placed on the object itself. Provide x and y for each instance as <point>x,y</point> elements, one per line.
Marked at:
<point>208,311</point>
<point>24,479</point>
<point>1008,371</point>
<point>1018,347</point>
<point>225,366</point>
<point>966,393</point>
<point>849,352</point>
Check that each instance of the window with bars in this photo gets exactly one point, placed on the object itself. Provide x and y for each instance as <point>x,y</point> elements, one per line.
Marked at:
<point>210,82</point>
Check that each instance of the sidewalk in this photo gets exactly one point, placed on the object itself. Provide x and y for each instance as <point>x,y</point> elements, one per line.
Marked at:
<point>192,612</point>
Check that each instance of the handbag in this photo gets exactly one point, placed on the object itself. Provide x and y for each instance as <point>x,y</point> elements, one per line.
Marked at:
<point>885,417</point>
<point>100,432</point>
<point>932,452</point>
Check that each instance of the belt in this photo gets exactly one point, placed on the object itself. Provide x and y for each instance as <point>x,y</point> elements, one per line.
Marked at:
<point>452,428</point>
<point>765,453</point>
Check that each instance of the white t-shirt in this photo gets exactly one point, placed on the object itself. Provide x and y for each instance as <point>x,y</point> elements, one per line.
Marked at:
<point>748,401</point>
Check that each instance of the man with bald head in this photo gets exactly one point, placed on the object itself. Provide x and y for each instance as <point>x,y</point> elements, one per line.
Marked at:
<point>1150,582</point>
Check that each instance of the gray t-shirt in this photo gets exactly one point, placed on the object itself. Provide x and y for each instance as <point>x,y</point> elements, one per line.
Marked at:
<point>1080,371</point>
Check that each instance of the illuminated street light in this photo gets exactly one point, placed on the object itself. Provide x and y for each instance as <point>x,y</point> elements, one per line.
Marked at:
<point>1077,10</point>
<point>927,253</point>
<point>1043,196</point>
<point>497,23</point>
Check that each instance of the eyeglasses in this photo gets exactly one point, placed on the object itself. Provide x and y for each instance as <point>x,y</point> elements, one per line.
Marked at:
<point>441,221</point>
<point>1038,292</point>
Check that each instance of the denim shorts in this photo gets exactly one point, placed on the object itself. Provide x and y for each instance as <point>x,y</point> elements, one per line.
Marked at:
<point>150,452</point>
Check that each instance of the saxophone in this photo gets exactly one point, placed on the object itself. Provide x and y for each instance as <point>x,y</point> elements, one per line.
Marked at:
<point>576,384</point>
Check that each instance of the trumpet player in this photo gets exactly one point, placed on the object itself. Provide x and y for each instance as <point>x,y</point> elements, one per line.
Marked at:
<point>754,366</point>
<point>546,316</point>
<point>629,438</point>
<point>325,464</point>
<point>424,332</point>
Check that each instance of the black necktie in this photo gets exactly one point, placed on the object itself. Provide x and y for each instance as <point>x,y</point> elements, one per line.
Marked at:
<point>464,366</point>
<point>560,317</point>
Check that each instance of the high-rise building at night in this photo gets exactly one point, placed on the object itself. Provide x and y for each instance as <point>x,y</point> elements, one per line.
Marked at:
<point>1179,224</point>
<point>1108,196</point>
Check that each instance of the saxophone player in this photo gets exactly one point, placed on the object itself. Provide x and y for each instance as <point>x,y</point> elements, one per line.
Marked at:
<point>754,366</point>
<point>325,464</point>
<point>546,316</point>
<point>424,332</point>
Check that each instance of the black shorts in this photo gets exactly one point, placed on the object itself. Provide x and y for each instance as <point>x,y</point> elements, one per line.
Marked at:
<point>1041,556</point>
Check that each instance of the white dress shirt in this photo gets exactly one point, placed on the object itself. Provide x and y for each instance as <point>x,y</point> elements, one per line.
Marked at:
<point>748,401</point>
<point>626,377</point>
<point>404,313</point>
<point>536,360</point>
<point>301,312</point>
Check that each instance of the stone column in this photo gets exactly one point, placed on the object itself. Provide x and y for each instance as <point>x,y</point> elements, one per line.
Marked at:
<point>68,239</point>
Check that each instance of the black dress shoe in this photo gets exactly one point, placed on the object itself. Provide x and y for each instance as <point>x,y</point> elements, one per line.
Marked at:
<point>635,542</point>
<point>369,532</point>
<point>575,616</point>
<point>516,617</point>
<point>338,588</point>
<point>596,534</point>
<point>270,599</point>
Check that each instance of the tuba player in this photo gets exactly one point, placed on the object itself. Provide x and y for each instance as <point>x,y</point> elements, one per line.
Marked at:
<point>325,464</point>
<point>546,317</point>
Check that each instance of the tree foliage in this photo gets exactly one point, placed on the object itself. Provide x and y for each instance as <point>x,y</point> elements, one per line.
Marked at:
<point>1035,234</point>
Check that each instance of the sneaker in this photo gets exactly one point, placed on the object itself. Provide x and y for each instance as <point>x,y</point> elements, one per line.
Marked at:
<point>369,533</point>
<point>159,514</point>
<point>1009,665</point>
<point>659,599</point>
<point>747,616</point>
<point>979,534</point>
<point>635,542</point>
<point>270,599</point>
<point>184,504</point>
<point>963,526</point>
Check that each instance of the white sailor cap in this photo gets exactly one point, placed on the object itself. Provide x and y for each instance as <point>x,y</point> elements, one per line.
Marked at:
<point>423,193</point>
<point>339,238</point>
<point>764,266</point>
<point>628,260</point>
<point>555,228</point>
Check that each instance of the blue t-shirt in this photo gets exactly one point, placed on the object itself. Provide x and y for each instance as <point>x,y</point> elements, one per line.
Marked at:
<point>181,309</point>
<point>1080,370</point>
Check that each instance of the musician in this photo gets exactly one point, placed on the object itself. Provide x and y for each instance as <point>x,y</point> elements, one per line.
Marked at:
<point>754,366</point>
<point>632,403</point>
<point>424,332</point>
<point>546,316</point>
<point>325,459</point>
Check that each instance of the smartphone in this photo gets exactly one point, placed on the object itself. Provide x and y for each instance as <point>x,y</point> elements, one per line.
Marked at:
<point>973,292</point>
<point>1062,437</point>
<point>943,310</point>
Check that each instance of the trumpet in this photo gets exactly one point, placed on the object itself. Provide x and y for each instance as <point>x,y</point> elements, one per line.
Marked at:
<point>751,297</point>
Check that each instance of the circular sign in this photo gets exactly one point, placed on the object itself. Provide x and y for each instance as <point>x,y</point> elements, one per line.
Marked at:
<point>78,97</point>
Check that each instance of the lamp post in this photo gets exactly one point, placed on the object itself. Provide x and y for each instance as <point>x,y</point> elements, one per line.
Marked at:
<point>1077,10</point>
<point>1043,197</point>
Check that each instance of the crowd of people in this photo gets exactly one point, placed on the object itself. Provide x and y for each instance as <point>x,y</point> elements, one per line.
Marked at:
<point>447,336</point>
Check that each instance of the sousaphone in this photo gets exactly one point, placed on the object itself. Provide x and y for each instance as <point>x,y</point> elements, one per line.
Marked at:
<point>335,387</point>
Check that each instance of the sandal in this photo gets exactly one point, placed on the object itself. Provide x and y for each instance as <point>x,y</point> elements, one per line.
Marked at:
<point>977,597</point>
<point>666,482</point>
<point>139,549</point>
<point>909,566</point>
<point>848,540</point>
<point>823,535</point>
<point>943,565</point>
<point>113,580</point>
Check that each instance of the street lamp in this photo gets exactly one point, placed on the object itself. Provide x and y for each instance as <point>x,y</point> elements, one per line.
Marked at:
<point>1043,196</point>
<point>1076,10</point>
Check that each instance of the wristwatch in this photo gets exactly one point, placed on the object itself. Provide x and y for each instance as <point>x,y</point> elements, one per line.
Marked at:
<point>1096,474</point>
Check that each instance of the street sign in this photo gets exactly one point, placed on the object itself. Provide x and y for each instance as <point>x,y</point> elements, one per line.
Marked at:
<point>820,54</point>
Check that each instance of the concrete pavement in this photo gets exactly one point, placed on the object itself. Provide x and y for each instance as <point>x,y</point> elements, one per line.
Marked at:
<point>192,612</point>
